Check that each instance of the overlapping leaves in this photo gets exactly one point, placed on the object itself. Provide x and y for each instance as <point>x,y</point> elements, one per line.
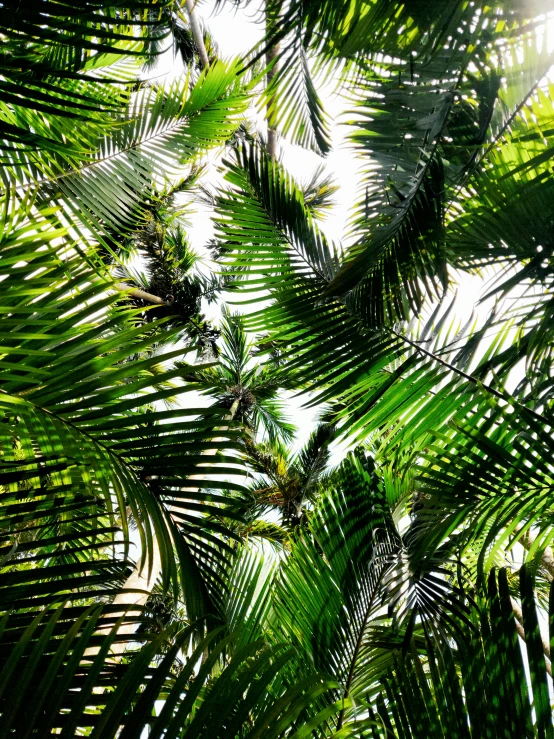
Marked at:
<point>83,433</point>
<point>72,690</point>
<point>163,132</point>
<point>58,55</point>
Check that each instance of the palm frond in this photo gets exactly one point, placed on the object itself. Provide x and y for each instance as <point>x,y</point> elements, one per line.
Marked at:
<point>164,131</point>
<point>56,92</point>
<point>476,489</point>
<point>462,691</point>
<point>172,697</point>
<point>326,597</point>
<point>293,105</point>
<point>90,436</point>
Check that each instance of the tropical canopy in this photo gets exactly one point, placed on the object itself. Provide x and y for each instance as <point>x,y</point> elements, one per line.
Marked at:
<point>177,558</point>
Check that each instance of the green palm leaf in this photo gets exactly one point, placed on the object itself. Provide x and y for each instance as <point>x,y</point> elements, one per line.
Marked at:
<point>56,92</point>
<point>88,435</point>
<point>164,131</point>
<point>171,697</point>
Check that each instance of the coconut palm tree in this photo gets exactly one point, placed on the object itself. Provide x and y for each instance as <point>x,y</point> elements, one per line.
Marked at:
<point>85,441</point>
<point>250,390</point>
<point>432,398</point>
<point>415,650</point>
<point>157,268</point>
<point>287,482</point>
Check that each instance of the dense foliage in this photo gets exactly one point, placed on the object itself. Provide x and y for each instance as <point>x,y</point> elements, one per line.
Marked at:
<point>171,565</point>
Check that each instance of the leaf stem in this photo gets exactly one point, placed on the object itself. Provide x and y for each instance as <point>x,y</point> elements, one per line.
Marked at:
<point>271,55</point>
<point>465,375</point>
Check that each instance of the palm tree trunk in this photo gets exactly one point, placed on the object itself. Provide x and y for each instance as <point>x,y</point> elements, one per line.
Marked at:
<point>521,632</point>
<point>197,34</point>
